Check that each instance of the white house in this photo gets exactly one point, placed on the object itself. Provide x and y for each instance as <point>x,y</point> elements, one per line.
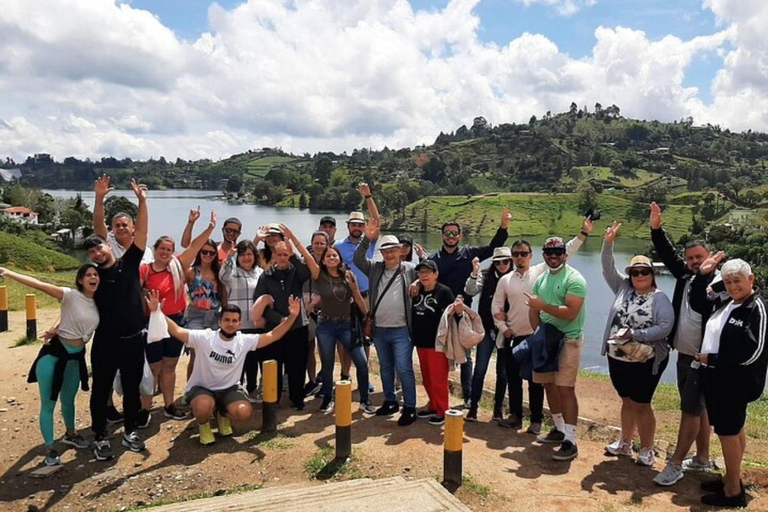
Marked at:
<point>21,214</point>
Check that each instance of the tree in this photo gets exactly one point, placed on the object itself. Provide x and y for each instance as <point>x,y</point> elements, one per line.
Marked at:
<point>303,203</point>
<point>323,170</point>
<point>479,126</point>
<point>587,196</point>
<point>434,170</point>
<point>117,204</point>
<point>573,110</point>
<point>532,121</point>
<point>234,184</point>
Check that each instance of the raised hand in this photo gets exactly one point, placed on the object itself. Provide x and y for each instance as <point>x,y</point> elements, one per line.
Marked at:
<point>101,186</point>
<point>655,216</point>
<point>351,279</point>
<point>212,222</point>
<point>194,214</point>
<point>611,232</point>
<point>372,229</point>
<point>364,189</point>
<point>458,306</point>
<point>587,226</point>
<point>139,189</point>
<point>475,265</point>
<point>153,300</point>
<point>287,233</point>
<point>710,264</point>
<point>419,250</point>
<point>261,233</point>
<point>294,306</point>
<point>505,216</point>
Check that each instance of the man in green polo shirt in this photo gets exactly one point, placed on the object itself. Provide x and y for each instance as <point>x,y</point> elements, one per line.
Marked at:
<point>558,299</point>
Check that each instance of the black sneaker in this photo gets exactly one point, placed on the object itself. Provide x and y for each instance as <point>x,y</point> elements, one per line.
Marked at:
<point>719,499</point>
<point>52,458</point>
<point>387,409</point>
<point>103,449</point>
<point>133,442</point>
<point>567,451</point>
<point>312,388</point>
<point>172,412</point>
<point>344,377</point>
<point>145,417</point>
<point>437,420</point>
<point>554,436</point>
<point>498,414</point>
<point>513,422</point>
<point>472,414</point>
<point>113,415</point>
<point>426,414</point>
<point>407,417</point>
<point>76,440</point>
<point>327,405</point>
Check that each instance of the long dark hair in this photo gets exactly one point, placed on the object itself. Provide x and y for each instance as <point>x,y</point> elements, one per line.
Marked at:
<point>407,239</point>
<point>342,267</point>
<point>215,265</point>
<point>81,275</point>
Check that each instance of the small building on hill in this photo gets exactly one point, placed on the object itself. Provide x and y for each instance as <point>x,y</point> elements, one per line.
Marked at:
<point>20,214</point>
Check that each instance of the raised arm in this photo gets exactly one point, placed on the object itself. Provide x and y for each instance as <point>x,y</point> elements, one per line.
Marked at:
<point>474,284</point>
<point>359,257</point>
<point>142,219</point>
<point>499,238</point>
<point>664,248</point>
<point>101,188</point>
<point>294,308</point>
<point>228,269</point>
<point>186,236</point>
<point>575,243</point>
<point>187,257</point>
<point>612,276</point>
<point>49,289</point>
<point>309,261</point>
<point>373,210</point>
<point>362,304</point>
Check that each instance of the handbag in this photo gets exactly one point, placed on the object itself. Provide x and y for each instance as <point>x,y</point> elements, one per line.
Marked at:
<point>632,350</point>
<point>369,323</point>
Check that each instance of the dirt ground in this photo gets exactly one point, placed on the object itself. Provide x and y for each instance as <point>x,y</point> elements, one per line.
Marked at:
<point>503,470</point>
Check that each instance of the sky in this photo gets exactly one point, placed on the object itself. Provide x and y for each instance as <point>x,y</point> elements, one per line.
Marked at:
<point>200,79</point>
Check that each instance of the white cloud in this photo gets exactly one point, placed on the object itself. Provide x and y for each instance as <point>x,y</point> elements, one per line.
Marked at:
<point>94,77</point>
<point>563,7</point>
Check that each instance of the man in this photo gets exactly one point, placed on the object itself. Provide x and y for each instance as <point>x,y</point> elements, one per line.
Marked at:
<point>356,227</point>
<point>214,383</point>
<point>118,343</point>
<point>686,337</point>
<point>230,230</point>
<point>514,325</point>
<point>391,310</point>
<point>557,298</point>
<point>328,225</point>
<point>454,263</point>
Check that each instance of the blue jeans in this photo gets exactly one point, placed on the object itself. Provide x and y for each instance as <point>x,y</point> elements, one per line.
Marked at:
<point>466,377</point>
<point>484,352</point>
<point>395,351</point>
<point>328,332</point>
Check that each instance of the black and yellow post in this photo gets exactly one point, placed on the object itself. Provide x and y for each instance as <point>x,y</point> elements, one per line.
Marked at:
<point>343,413</point>
<point>453,441</point>
<point>269,395</point>
<point>3,309</point>
<point>31,303</point>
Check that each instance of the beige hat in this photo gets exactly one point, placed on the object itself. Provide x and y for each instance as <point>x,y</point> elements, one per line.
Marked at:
<point>639,261</point>
<point>274,229</point>
<point>356,217</point>
<point>388,241</point>
<point>502,253</point>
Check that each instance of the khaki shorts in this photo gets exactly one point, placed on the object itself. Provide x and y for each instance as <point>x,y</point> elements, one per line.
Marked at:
<point>568,364</point>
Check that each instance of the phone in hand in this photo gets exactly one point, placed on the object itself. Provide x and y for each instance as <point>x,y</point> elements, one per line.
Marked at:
<point>593,214</point>
<point>622,332</point>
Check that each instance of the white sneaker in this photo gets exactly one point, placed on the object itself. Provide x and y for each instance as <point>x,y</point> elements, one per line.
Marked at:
<point>646,457</point>
<point>670,475</point>
<point>694,464</point>
<point>620,448</point>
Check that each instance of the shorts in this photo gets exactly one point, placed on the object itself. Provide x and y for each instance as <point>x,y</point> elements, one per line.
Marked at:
<point>568,366</point>
<point>635,381</point>
<point>223,397</point>
<point>689,386</point>
<point>167,347</point>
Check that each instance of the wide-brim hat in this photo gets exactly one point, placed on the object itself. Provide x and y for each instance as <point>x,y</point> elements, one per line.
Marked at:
<point>501,253</point>
<point>356,217</point>
<point>274,229</point>
<point>388,241</point>
<point>639,261</point>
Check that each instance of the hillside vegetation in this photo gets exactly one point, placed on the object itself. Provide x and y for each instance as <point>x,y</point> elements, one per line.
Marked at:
<point>24,254</point>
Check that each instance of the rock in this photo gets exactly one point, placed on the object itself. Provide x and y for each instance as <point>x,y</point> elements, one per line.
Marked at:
<point>4,409</point>
<point>10,400</point>
<point>407,468</point>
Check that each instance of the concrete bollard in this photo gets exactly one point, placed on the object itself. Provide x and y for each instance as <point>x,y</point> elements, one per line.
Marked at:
<point>453,442</point>
<point>343,414</point>
<point>3,309</point>
<point>31,303</point>
<point>269,395</point>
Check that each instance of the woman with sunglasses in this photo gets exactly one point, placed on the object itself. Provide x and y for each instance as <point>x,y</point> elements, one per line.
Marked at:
<point>635,336</point>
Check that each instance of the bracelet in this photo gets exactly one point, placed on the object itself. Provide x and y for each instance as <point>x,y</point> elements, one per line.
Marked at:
<point>585,233</point>
<point>368,196</point>
<point>471,276</point>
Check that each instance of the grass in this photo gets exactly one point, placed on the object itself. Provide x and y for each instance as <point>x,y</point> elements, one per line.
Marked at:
<point>19,252</point>
<point>259,167</point>
<point>197,496</point>
<point>17,293</point>
<point>479,489</point>
<point>24,341</point>
<point>276,441</point>
<point>323,466</point>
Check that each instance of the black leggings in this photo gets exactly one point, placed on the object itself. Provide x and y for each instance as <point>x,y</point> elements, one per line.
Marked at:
<point>108,355</point>
<point>294,352</point>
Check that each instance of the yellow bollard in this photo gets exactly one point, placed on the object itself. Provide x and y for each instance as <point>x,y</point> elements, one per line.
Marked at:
<point>269,394</point>
<point>453,443</point>
<point>3,309</point>
<point>343,413</point>
<point>31,303</point>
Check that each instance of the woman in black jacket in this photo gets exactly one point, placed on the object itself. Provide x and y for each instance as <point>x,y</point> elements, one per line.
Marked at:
<point>734,363</point>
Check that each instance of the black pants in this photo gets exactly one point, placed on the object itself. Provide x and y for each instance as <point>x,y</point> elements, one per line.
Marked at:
<point>108,355</point>
<point>253,360</point>
<point>515,384</point>
<point>294,357</point>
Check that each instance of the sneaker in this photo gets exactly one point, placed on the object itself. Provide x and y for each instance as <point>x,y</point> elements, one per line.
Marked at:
<point>696,465</point>
<point>387,409</point>
<point>103,450</point>
<point>133,442</point>
<point>620,448</point>
<point>225,427</point>
<point>327,405</point>
<point>298,407</point>
<point>646,457</point>
<point>285,382</point>
<point>719,499</point>
<point>367,407</point>
<point>436,420</point>
<point>113,415</point>
<point>554,436</point>
<point>426,414</point>
<point>172,412</point>
<point>312,388</point>
<point>145,417</point>
<point>713,485</point>
<point>670,475</point>
<point>76,440</point>
<point>472,414</point>
<point>498,414</point>
<point>206,434</point>
<point>567,451</point>
<point>407,417</point>
<point>259,398</point>
<point>371,389</point>
<point>52,458</point>
<point>344,377</point>
<point>512,422</point>
<point>534,428</point>
<point>467,403</point>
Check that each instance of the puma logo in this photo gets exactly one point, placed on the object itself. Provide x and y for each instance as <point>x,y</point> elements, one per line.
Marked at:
<point>229,352</point>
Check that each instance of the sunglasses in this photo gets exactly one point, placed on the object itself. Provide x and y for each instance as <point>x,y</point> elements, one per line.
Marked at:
<point>451,232</point>
<point>520,254</point>
<point>208,253</point>
<point>554,252</point>
<point>231,231</point>
<point>640,272</point>
<point>499,263</point>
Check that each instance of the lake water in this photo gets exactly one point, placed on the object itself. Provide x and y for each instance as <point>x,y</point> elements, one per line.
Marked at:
<point>168,210</point>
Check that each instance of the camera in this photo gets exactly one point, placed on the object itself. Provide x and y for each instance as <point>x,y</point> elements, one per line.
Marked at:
<point>593,214</point>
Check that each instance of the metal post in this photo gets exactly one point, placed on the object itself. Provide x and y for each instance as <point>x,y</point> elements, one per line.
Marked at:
<point>31,303</point>
<point>269,404</point>
<point>3,309</point>
<point>343,413</point>
<point>453,441</point>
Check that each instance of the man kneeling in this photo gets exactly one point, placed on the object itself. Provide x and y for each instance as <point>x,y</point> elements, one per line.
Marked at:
<point>214,383</point>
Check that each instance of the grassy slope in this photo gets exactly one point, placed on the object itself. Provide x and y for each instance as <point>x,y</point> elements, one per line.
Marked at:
<point>535,214</point>
<point>259,167</point>
<point>27,255</point>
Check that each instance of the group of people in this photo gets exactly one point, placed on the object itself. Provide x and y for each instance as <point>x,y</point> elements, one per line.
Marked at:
<point>232,305</point>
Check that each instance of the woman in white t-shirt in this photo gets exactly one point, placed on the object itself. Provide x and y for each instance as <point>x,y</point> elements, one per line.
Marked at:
<point>214,383</point>
<point>60,365</point>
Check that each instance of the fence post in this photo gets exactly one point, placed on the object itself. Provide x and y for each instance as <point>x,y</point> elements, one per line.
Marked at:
<point>3,309</point>
<point>343,414</point>
<point>453,442</point>
<point>269,395</point>
<point>31,303</point>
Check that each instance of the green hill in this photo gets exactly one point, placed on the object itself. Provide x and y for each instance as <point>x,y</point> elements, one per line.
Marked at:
<point>25,255</point>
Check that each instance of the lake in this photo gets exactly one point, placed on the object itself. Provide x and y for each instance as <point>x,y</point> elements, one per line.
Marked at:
<point>168,211</point>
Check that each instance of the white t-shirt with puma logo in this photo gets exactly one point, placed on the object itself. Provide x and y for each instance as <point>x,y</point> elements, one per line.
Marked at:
<point>218,363</point>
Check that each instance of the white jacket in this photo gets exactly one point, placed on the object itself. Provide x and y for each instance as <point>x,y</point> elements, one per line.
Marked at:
<point>455,338</point>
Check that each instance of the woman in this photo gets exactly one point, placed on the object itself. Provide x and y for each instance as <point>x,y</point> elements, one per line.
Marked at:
<point>638,324</point>
<point>337,287</point>
<point>485,283</point>
<point>167,275</point>
<point>408,248</point>
<point>60,365</point>
<point>270,234</point>
<point>312,303</point>
<point>239,275</point>
<point>204,293</point>
<point>734,363</point>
